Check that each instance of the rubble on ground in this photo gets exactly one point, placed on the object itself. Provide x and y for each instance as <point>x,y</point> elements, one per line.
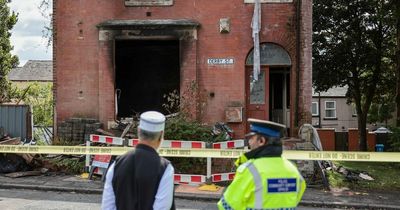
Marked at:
<point>15,163</point>
<point>352,175</point>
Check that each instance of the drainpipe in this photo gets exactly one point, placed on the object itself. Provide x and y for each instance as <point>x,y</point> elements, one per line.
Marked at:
<point>319,110</point>
<point>298,15</point>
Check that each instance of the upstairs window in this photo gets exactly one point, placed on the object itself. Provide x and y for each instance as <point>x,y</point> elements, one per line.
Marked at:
<point>330,109</point>
<point>314,109</point>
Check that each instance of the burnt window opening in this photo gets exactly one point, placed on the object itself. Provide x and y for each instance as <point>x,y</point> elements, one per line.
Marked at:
<point>145,71</point>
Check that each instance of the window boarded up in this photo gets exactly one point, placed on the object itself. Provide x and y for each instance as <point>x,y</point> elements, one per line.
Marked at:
<point>149,2</point>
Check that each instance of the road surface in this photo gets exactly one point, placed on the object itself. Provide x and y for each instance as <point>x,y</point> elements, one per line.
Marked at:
<point>13,199</point>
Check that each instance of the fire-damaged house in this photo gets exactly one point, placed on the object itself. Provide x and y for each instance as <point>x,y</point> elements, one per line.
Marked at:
<point>116,58</point>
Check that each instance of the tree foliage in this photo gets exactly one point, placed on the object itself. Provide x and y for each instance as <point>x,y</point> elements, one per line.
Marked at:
<point>354,45</point>
<point>7,61</point>
<point>40,97</point>
<point>46,12</point>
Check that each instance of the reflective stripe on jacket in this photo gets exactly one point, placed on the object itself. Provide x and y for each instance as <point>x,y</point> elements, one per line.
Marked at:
<point>264,183</point>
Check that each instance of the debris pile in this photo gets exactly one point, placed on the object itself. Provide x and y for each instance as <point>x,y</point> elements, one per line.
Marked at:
<point>11,163</point>
<point>352,175</point>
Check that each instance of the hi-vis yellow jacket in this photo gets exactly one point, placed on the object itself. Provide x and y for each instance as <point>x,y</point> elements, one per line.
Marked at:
<point>264,183</point>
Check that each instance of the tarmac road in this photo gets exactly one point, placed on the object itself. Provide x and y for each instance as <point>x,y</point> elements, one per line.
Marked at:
<point>13,199</point>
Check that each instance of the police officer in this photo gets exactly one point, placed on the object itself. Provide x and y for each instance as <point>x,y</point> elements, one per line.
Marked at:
<point>141,179</point>
<point>264,179</point>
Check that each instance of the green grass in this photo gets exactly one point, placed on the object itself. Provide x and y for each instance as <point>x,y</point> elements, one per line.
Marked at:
<point>386,175</point>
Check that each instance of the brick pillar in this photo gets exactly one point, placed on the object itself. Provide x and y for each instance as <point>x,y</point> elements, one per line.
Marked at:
<point>189,84</point>
<point>55,121</point>
<point>106,78</point>
<point>305,74</point>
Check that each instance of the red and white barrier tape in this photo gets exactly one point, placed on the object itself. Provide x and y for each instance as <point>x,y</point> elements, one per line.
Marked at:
<point>101,162</point>
<point>174,144</point>
<point>106,139</point>
<point>229,144</point>
<point>222,177</point>
<point>188,178</point>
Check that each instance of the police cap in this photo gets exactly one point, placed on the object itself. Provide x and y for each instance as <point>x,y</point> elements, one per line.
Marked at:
<point>266,128</point>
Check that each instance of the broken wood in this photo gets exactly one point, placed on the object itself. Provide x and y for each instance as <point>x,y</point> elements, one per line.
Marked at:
<point>127,128</point>
<point>22,174</point>
<point>103,132</point>
<point>28,158</point>
<point>11,141</point>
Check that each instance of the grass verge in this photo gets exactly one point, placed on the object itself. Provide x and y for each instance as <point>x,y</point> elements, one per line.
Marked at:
<point>386,176</point>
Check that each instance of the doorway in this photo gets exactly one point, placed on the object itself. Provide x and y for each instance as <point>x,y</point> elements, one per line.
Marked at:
<point>268,98</point>
<point>145,72</point>
<point>279,93</point>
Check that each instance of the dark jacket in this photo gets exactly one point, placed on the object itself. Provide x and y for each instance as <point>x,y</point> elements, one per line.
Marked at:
<point>137,176</point>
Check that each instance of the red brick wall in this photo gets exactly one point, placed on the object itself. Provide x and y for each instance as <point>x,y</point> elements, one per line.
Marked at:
<point>371,141</point>
<point>327,137</point>
<point>353,140</point>
<point>305,93</point>
<point>84,73</point>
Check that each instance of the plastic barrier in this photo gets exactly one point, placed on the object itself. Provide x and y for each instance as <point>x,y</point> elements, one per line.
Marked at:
<point>229,144</point>
<point>100,163</point>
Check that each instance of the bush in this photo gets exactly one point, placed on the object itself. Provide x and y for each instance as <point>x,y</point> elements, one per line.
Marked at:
<point>178,128</point>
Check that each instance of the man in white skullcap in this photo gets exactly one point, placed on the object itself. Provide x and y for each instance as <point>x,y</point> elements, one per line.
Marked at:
<point>141,179</point>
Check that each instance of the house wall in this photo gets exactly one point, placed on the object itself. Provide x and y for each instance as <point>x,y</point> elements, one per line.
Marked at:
<point>84,69</point>
<point>344,115</point>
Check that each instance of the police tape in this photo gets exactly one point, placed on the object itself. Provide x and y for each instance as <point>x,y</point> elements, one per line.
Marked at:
<point>204,153</point>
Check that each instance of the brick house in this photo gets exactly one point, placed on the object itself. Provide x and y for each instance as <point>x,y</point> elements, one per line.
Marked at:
<point>40,71</point>
<point>330,109</point>
<point>113,58</point>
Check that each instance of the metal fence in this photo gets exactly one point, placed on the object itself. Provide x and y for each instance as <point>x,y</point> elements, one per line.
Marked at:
<point>16,121</point>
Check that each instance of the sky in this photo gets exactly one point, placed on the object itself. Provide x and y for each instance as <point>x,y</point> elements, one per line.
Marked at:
<point>27,36</point>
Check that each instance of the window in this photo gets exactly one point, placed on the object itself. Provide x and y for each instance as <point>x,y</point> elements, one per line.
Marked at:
<point>314,109</point>
<point>149,2</point>
<point>330,109</point>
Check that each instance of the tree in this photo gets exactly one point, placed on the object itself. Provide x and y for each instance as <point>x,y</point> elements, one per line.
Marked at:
<point>397,6</point>
<point>353,46</point>
<point>7,60</point>
<point>46,12</point>
<point>40,97</point>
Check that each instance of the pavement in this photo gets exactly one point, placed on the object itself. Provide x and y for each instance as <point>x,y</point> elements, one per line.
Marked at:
<point>335,198</point>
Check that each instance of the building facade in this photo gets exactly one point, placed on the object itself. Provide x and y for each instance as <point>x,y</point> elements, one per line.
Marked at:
<point>116,58</point>
<point>330,109</point>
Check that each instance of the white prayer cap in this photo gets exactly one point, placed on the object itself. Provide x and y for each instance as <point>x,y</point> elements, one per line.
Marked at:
<point>152,121</point>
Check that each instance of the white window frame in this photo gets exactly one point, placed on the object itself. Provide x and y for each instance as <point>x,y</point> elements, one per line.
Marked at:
<point>317,113</point>
<point>334,109</point>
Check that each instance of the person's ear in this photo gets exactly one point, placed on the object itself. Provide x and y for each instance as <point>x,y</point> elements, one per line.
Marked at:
<point>161,136</point>
<point>262,140</point>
